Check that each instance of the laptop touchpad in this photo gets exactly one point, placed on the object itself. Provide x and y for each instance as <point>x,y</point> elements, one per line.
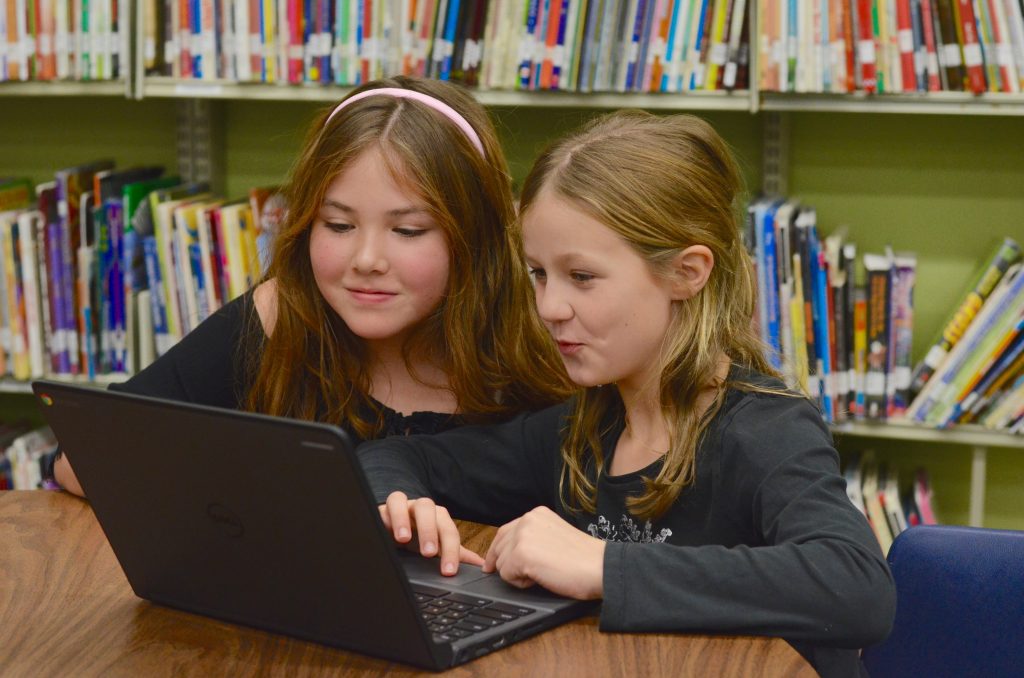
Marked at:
<point>428,570</point>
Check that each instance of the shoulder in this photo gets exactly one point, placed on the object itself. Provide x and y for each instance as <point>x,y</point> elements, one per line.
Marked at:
<point>264,298</point>
<point>763,430</point>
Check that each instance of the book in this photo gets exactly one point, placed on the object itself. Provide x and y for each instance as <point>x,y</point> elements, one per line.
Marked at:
<point>902,321</point>
<point>873,502</point>
<point>879,271</point>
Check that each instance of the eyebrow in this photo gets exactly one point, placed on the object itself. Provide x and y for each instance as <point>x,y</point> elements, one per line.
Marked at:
<point>400,212</point>
<point>567,259</point>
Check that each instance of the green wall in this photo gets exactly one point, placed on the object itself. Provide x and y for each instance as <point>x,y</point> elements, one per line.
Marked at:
<point>946,187</point>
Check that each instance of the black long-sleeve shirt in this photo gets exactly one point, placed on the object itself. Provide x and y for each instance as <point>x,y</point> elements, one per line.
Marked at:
<point>764,542</point>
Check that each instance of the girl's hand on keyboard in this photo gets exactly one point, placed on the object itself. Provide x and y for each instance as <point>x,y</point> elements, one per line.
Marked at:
<point>541,548</point>
<point>422,525</point>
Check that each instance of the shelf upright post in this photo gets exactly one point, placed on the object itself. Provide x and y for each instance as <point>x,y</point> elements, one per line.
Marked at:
<point>776,153</point>
<point>753,58</point>
<point>137,48</point>
<point>201,142</point>
<point>976,504</point>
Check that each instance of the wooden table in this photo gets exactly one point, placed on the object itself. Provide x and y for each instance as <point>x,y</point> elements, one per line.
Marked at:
<point>67,609</point>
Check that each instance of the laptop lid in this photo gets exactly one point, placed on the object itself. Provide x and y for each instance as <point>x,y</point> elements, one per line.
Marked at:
<point>248,518</point>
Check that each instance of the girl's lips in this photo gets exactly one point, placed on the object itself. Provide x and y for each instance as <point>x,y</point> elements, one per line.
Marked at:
<point>568,348</point>
<point>371,296</point>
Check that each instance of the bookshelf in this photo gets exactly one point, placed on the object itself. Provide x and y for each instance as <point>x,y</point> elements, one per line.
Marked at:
<point>697,101</point>
<point>846,154</point>
<point>933,103</point>
<point>66,89</point>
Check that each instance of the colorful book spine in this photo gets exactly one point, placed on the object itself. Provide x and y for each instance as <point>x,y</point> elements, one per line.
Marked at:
<point>153,272</point>
<point>904,275</point>
<point>879,271</point>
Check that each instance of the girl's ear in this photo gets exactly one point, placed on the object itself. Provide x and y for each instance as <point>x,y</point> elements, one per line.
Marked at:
<point>690,271</point>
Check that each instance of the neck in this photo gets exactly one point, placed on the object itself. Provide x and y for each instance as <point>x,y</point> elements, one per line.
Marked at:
<point>645,421</point>
<point>393,382</point>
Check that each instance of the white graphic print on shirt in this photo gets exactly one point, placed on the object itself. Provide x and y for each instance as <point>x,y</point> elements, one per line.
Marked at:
<point>627,531</point>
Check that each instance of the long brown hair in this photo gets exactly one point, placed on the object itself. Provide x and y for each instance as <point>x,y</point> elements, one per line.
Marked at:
<point>662,184</point>
<point>496,354</point>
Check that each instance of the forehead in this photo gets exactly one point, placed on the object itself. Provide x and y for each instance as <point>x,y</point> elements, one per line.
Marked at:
<point>554,227</point>
<point>373,178</point>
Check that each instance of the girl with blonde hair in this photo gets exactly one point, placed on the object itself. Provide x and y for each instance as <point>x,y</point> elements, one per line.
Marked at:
<point>395,301</point>
<point>684,485</point>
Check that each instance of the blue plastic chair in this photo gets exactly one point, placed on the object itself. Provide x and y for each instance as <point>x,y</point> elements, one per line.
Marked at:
<point>959,605</point>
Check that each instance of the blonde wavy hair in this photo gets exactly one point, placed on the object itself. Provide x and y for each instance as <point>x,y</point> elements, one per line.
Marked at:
<point>662,184</point>
<point>496,353</point>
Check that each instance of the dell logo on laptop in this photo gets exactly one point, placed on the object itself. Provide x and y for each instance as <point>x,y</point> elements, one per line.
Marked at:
<point>225,520</point>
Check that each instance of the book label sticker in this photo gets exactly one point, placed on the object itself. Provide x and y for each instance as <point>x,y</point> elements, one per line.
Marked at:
<point>906,38</point>
<point>866,51</point>
<point>972,55</point>
<point>951,55</point>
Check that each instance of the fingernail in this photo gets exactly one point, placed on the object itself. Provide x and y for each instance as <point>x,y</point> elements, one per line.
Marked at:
<point>403,533</point>
<point>449,568</point>
<point>428,547</point>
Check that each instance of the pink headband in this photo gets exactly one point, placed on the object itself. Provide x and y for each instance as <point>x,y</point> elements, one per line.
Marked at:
<point>427,100</point>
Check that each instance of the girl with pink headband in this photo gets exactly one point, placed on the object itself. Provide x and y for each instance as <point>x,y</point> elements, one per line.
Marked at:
<point>396,300</point>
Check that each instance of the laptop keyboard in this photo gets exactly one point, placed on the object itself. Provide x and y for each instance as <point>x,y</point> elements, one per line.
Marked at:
<point>453,616</point>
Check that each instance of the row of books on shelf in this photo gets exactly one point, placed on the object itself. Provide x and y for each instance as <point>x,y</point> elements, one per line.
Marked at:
<point>569,45</point>
<point>874,488</point>
<point>63,39</point>
<point>25,456</point>
<point>974,370</point>
<point>840,327</point>
<point>891,46</point>
<point>845,342</point>
<point>104,269</point>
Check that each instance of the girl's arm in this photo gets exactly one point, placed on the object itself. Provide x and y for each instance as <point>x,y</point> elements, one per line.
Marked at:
<point>486,474</point>
<point>814,571</point>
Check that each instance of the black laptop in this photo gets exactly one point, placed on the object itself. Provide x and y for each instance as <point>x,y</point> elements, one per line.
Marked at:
<point>270,522</point>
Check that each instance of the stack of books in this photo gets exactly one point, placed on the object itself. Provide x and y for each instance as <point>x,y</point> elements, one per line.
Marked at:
<point>974,371</point>
<point>566,45</point>
<point>891,46</point>
<point>102,270</point>
<point>845,343</point>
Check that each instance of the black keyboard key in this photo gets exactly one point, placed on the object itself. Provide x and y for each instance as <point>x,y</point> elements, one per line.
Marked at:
<point>473,601</point>
<point>459,633</point>
<point>443,638</point>
<point>431,591</point>
<point>482,621</point>
<point>467,625</point>
<point>517,610</point>
<point>441,602</point>
<point>445,619</point>
<point>457,614</point>
<point>421,597</point>
<point>460,607</point>
<point>495,614</point>
<point>431,611</point>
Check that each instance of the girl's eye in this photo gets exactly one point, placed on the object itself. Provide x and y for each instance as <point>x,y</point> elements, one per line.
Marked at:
<point>581,277</point>
<point>407,232</point>
<point>337,227</point>
<point>538,274</point>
